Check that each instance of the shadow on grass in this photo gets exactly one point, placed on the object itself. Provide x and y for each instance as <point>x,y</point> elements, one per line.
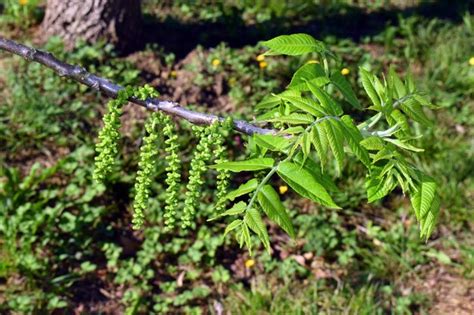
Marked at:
<point>343,21</point>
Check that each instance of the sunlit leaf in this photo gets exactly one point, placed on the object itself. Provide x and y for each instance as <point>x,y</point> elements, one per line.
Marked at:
<point>272,206</point>
<point>305,184</point>
<point>243,189</point>
<point>345,88</point>
<point>293,45</point>
<point>255,223</point>
<point>247,165</point>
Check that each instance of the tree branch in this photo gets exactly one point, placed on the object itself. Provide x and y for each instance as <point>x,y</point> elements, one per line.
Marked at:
<point>110,89</point>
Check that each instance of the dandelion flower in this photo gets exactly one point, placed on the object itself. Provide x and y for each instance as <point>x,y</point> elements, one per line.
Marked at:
<point>249,263</point>
<point>262,64</point>
<point>260,58</point>
<point>23,2</point>
<point>471,61</point>
<point>216,63</point>
<point>345,71</point>
<point>283,189</point>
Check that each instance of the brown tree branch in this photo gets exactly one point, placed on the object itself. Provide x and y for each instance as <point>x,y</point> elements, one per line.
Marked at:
<point>110,89</point>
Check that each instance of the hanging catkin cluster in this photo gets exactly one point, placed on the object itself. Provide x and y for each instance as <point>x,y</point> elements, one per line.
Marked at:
<point>209,137</point>
<point>210,144</point>
<point>109,135</point>
<point>202,154</point>
<point>146,166</point>
<point>223,176</point>
<point>173,173</point>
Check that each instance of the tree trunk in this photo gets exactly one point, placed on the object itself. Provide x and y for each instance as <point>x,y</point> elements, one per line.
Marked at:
<point>116,21</point>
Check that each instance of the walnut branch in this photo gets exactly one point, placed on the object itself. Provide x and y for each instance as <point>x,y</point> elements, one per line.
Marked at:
<point>110,89</point>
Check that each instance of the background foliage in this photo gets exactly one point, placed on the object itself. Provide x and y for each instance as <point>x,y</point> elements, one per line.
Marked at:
<point>67,243</point>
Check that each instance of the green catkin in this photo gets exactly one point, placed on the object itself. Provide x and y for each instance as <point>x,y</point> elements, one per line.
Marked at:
<point>173,173</point>
<point>147,162</point>
<point>202,154</point>
<point>146,166</point>
<point>107,146</point>
<point>223,176</point>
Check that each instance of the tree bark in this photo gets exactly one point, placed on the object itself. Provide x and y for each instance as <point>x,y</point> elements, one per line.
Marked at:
<point>116,21</point>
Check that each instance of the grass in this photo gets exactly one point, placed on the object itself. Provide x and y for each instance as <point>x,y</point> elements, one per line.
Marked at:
<point>67,244</point>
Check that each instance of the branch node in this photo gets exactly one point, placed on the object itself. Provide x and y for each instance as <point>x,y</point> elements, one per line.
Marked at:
<point>30,54</point>
<point>166,104</point>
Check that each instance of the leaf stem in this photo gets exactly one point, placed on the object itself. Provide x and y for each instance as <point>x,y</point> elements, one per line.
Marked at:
<point>262,183</point>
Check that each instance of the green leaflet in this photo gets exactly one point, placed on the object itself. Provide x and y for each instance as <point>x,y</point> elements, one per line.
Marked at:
<point>269,114</point>
<point>247,165</point>
<point>335,140</point>
<point>312,72</point>
<point>320,143</point>
<point>294,119</point>
<point>305,104</point>
<point>407,173</point>
<point>268,102</point>
<point>380,89</point>
<point>413,109</point>
<point>403,145</point>
<point>345,88</point>
<point>401,181</point>
<point>293,45</point>
<point>423,101</point>
<point>292,130</point>
<point>383,154</point>
<point>367,79</point>
<point>245,237</point>
<point>272,143</point>
<point>354,137</point>
<point>238,208</point>
<point>272,206</point>
<point>306,146</point>
<point>401,120</point>
<point>315,170</point>
<point>409,83</point>
<point>305,184</point>
<point>232,226</point>
<point>243,189</point>
<point>396,84</point>
<point>378,188</point>
<point>426,203</point>
<point>372,143</point>
<point>431,219</point>
<point>423,198</point>
<point>254,221</point>
<point>331,107</point>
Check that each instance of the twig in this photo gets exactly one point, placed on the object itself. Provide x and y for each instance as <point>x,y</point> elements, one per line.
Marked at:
<point>110,89</point>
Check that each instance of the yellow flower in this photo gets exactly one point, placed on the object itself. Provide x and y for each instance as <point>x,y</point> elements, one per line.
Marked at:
<point>345,71</point>
<point>312,61</point>
<point>249,263</point>
<point>471,61</point>
<point>216,63</point>
<point>283,189</point>
<point>262,64</point>
<point>173,74</point>
<point>260,58</point>
<point>23,2</point>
